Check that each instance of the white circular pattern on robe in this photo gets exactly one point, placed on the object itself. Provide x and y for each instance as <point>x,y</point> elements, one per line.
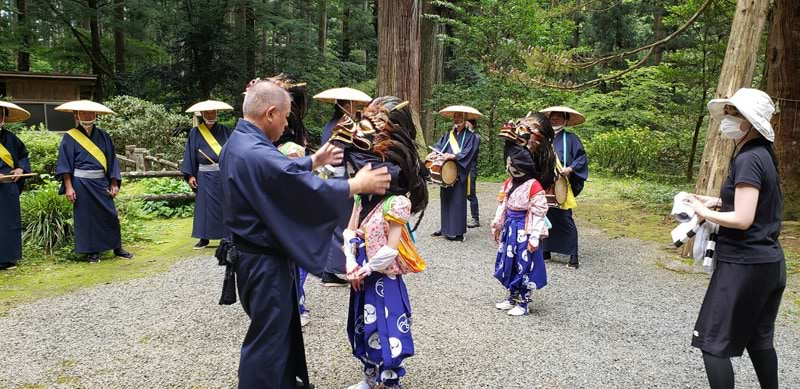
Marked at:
<point>521,236</point>
<point>374,341</point>
<point>500,247</point>
<point>386,311</point>
<point>519,268</point>
<point>379,287</point>
<point>525,255</point>
<point>396,346</point>
<point>532,285</point>
<point>509,251</point>
<point>388,375</point>
<point>391,276</point>
<point>359,328</point>
<point>302,300</point>
<point>370,315</point>
<point>403,324</point>
<point>525,279</point>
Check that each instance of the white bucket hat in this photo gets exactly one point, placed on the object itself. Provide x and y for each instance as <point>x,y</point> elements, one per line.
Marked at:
<point>755,105</point>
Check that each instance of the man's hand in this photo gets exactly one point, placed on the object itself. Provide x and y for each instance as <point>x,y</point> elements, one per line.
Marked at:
<point>450,156</point>
<point>16,172</point>
<point>193,182</point>
<point>566,171</point>
<point>532,248</point>
<point>370,181</point>
<point>328,154</point>
<point>113,189</point>
<point>70,193</point>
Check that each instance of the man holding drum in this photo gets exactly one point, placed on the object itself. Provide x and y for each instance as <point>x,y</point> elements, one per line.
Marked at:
<point>460,146</point>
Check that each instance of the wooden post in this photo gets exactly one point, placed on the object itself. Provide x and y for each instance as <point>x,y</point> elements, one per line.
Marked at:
<point>148,164</point>
<point>138,156</point>
<point>737,72</point>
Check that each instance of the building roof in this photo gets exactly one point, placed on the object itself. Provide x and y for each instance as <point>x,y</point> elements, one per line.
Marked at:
<point>49,76</point>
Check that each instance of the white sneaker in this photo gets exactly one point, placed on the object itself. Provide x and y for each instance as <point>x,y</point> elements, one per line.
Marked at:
<point>517,311</point>
<point>504,305</point>
<point>360,385</point>
<point>304,319</point>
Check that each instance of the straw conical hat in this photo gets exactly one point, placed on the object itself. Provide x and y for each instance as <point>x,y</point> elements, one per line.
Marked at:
<point>348,94</point>
<point>15,112</point>
<point>471,113</point>
<point>575,117</point>
<point>210,105</point>
<point>84,106</point>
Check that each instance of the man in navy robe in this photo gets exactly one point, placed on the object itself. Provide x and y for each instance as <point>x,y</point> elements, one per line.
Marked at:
<point>281,216</point>
<point>200,169</point>
<point>13,161</point>
<point>563,237</point>
<point>461,145</point>
<point>472,193</point>
<point>91,180</point>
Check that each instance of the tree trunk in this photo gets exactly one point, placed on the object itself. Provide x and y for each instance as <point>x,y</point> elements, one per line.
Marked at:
<point>24,54</point>
<point>344,53</point>
<point>119,37</point>
<point>399,53</point>
<point>659,32</point>
<point>250,39</point>
<point>737,72</point>
<point>432,67</point>
<point>322,26</point>
<point>783,62</point>
<point>97,53</point>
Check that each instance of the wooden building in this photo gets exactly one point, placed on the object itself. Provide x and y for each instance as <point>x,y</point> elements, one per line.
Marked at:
<point>40,93</point>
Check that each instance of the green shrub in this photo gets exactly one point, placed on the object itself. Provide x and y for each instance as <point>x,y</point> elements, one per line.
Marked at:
<point>43,152</point>
<point>636,151</point>
<point>171,208</point>
<point>144,124</point>
<point>46,218</point>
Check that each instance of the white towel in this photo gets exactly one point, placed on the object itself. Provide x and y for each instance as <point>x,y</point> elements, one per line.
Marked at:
<point>680,211</point>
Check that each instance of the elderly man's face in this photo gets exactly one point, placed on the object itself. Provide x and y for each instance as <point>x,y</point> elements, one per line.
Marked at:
<point>209,116</point>
<point>276,120</point>
<point>458,118</point>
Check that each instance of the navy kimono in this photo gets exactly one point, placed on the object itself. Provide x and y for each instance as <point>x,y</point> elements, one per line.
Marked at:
<point>454,198</point>
<point>563,237</point>
<point>208,223</point>
<point>10,220</point>
<point>262,191</point>
<point>95,217</point>
<point>336,260</point>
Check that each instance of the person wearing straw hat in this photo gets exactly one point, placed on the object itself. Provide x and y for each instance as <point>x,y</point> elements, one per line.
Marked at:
<point>346,101</point>
<point>570,152</point>
<point>13,162</point>
<point>280,216</point>
<point>89,172</point>
<point>461,145</point>
<point>472,192</point>
<point>746,287</point>
<point>200,169</point>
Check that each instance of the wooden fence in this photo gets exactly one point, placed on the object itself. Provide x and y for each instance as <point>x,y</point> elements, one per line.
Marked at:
<point>139,163</point>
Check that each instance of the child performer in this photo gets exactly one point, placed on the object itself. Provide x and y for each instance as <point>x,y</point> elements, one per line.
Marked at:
<point>519,223</point>
<point>379,249</point>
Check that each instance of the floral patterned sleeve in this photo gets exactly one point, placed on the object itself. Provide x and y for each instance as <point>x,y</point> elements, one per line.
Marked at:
<point>399,210</point>
<point>534,223</point>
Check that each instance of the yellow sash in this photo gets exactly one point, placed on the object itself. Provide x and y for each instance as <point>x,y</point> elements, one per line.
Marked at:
<point>212,142</point>
<point>89,146</point>
<point>5,155</point>
<point>454,143</point>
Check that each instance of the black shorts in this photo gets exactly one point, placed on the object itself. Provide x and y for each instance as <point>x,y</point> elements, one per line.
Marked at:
<point>740,308</point>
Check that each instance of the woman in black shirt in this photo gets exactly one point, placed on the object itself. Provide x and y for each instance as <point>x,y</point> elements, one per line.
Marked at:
<point>743,297</point>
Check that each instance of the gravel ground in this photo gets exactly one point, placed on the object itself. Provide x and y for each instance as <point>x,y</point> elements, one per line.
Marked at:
<point>618,322</point>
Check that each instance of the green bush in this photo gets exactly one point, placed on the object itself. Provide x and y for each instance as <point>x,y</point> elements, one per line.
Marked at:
<point>43,152</point>
<point>171,208</point>
<point>636,151</point>
<point>144,124</point>
<point>46,218</point>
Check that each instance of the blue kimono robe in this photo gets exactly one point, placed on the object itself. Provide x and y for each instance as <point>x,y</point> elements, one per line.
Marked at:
<point>454,198</point>
<point>208,223</point>
<point>10,219</point>
<point>95,217</point>
<point>262,194</point>
<point>335,263</point>
<point>563,237</point>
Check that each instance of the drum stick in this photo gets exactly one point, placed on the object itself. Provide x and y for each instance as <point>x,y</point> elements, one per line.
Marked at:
<point>207,157</point>
<point>437,151</point>
<point>21,175</point>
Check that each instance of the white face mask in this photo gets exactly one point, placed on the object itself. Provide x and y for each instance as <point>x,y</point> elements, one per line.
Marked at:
<point>86,123</point>
<point>730,127</point>
<point>558,128</point>
<point>210,123</point>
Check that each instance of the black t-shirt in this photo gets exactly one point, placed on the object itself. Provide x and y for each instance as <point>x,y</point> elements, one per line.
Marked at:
<point>759,243</point>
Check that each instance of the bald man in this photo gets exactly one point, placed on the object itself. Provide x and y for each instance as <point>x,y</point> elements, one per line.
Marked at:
<point>281,216</point>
